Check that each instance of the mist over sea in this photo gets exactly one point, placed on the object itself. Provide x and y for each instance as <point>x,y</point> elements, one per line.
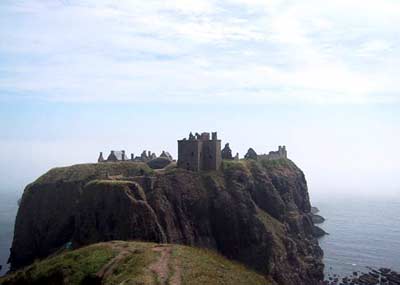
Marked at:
<point>363,231</point>
<point>8,211</point>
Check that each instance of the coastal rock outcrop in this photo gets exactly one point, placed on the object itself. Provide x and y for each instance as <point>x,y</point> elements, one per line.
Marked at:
<point>373,276</point>
<point>317,219</point>
<point>314,210</point>
<point>318,232</point>
<point>255,212</point>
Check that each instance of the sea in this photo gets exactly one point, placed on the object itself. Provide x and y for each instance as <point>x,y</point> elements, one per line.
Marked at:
<point>8,211</point>
<point>363,232</point>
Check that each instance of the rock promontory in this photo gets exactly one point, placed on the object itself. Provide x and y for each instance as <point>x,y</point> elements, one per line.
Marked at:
<point>256,212</point>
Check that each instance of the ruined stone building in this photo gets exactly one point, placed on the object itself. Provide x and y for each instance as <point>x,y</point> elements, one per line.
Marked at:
<point>113,156</point>
<point>167,155</point>
<point>196,153</point>
<point>251,154</point>
<point>145,156</point>
<point>199,152</point>
<point>281,153</point>
<point>120,155</point>
<point>226,152</point>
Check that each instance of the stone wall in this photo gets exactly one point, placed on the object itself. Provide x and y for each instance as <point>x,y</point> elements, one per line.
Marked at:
<point>281,153</point>
<point>199,152</point>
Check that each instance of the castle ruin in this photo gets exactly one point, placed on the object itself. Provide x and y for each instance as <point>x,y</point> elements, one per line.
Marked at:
<point>281,153</point>
<point>196,153</point>
<point>227,152</point>
<point>199,152</point>
<point>115,155</point>
<point>146,156</point>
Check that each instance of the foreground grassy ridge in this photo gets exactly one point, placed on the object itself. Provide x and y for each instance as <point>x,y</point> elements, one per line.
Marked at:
<point>133,266</point>
<point>201,266</point>
<point>120,262</point>
<point>72,267</point>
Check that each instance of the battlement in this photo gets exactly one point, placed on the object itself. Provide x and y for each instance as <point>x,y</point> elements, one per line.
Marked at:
<point>199,152</point>
<point>201,137</point>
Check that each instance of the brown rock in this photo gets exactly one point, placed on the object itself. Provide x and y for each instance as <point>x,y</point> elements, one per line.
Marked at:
<point>256,215</point>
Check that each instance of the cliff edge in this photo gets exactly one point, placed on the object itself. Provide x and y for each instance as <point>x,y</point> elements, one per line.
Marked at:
<point>255,212</point>
<point>121,262</point>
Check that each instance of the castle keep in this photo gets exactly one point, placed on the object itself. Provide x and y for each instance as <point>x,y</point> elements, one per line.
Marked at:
<point>199,152</point>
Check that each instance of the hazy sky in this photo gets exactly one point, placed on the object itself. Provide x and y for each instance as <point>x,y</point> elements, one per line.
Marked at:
<point>79,77</point>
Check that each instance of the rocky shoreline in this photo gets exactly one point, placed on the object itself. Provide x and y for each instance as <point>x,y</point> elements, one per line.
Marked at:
<point>381,276</point>
<point>317,219</point>
<point>372,276</point>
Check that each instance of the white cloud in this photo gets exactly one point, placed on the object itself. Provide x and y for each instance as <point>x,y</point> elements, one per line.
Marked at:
<point>374,48</point>
<point>192,51</point>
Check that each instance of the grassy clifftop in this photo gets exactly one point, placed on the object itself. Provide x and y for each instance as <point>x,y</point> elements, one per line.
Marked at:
<point>119,262</point>
<point>90,171</point>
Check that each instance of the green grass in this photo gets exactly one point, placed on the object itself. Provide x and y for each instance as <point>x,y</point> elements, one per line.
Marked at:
<point>273,164</point>
<point>274,227</point>
<point>214,177</point>
<point>133,265</point>
<point>90,171</point>
<point>76,265</point>
<point>172,167</point>
<point>134,268</point>
<point>234,165</point>
<point>200,266</point>
<point>109,182</point>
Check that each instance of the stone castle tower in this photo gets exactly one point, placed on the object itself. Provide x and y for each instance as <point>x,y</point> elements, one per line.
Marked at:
<point>199,152</point>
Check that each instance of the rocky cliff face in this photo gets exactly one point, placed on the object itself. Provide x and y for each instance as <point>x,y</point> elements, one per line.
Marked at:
<point>256,212</point>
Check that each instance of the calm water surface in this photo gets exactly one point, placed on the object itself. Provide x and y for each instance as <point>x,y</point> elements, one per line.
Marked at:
<point>363,232</point>
<point>8,211</point>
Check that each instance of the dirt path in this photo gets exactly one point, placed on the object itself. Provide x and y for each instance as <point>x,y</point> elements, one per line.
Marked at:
<point>176,278</point>
<point>108,269</point>
<point>162,266</point>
